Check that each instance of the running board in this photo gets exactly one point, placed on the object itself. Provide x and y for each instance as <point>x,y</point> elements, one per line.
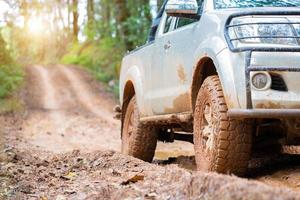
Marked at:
<point>168,119</point>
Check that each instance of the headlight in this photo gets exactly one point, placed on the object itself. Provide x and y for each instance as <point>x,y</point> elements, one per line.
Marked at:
<point>262,32</point>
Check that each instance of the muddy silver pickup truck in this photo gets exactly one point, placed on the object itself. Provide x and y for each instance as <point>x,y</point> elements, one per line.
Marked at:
<point>222,74</point>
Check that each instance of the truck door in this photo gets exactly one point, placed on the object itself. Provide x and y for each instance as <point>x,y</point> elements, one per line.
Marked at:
<point>157,92</point>
<point>183,42</point>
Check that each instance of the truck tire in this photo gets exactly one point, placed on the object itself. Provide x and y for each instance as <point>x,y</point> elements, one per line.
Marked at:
<point>138,140</point>
<point>222,144</point>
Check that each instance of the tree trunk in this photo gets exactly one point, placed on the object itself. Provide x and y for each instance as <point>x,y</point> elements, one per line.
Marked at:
<point>69,14</point>
<point>91,19</point>
<point>75,20</point>
<point>123,14</point>
<point>60,14</point>
<point>106,18</point>
<point>25,13</point>
<point>90,11</point>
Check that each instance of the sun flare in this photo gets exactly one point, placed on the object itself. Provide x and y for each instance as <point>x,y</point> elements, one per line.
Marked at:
<point>36,26</point>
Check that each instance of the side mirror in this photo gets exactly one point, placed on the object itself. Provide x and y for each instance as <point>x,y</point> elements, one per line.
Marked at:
<point>182,8</point>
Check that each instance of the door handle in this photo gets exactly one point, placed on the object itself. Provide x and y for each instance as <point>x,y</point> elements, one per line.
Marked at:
<point>167,46</point>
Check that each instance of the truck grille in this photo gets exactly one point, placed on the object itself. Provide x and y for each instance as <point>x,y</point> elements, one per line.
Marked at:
<point>278,83</point>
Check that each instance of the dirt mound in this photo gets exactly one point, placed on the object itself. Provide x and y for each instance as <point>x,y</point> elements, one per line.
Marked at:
<point>109,175</point>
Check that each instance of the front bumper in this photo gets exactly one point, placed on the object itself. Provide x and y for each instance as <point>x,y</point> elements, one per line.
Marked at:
<point>281,62</point>
<point>288,72</point>
<point>235,74</point>
<point>264,113</point>
<point>268,103</point>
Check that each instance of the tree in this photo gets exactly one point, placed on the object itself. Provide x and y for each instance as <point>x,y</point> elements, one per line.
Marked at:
<point>106,23</point>
<point>24,12</point>
<point>91,19</point>
<point>90,11</point>
<point>145,6</point>
<point>122,15</point>
<point>75,19</point>
<point>5,57</point>
<point>69,13</point>
<point>159,4</point>
<point>133,19</point>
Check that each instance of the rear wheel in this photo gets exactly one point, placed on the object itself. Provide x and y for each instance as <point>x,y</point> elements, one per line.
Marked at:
<point>138,140</point>
<point>222,144</point>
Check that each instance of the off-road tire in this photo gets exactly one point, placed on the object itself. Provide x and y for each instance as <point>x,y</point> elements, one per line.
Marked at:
<point>139,142</point>
<point>232,139</point>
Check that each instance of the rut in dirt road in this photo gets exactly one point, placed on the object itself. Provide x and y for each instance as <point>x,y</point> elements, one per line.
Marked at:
<point>71,113</point>
<point>86,98</point>
<point>49,101</point>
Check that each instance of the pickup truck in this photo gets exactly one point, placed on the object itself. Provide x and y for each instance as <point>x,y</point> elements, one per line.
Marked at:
<point>222,74</point>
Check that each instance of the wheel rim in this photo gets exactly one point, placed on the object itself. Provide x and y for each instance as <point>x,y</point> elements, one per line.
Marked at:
<point>208,129</point>
<point>127,134</point>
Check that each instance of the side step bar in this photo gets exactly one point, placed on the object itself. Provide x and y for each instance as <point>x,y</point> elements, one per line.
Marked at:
<point>168,119</point>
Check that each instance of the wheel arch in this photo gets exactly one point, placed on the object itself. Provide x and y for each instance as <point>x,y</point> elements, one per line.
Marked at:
<point>205,67</point>
<point>216,63</point>
<point>131,83</point>
<point>129,92</point>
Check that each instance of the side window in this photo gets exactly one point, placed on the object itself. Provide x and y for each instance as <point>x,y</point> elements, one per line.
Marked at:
<point>184,21</point>
<point>168,24</point>
<point>181,21</point>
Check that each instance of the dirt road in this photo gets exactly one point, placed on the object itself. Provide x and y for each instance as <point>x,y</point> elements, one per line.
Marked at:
<point>67,110</point>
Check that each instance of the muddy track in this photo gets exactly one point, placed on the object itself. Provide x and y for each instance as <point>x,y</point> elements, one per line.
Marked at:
<point>65,113</point>
<point>63,147</point>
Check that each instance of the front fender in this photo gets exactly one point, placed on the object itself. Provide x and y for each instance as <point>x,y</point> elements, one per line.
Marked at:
<point>225,70</point>
<point>133,75</point>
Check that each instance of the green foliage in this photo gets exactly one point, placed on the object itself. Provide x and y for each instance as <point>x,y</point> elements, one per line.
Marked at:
<point>5,57</point>
<point>139,22</point>
<point>10,105</point>
<point>10,79</point>
<point>102,58</point>
<point>138,29</point>
<point>109,37</point>
<point>112,28</point>
<point>10,74</point>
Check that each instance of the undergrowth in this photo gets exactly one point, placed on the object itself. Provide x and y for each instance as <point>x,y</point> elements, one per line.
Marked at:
<point>101,58</point>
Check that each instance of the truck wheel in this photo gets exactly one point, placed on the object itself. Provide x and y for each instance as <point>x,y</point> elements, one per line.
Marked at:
<point>138,140</point>
<point>222,145</point>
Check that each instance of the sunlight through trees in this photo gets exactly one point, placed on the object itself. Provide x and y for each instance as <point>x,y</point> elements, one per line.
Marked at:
<point>92,33</point>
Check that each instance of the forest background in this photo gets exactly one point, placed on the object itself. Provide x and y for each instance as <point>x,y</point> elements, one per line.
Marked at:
<point>94,34</point>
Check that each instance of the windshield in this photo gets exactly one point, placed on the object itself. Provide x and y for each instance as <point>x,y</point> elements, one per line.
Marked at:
<point>220,4</point>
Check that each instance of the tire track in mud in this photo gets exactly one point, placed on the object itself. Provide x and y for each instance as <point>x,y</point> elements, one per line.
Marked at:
<point>64,119</point>
<point>49,101</point>
<point>86,98</point>
<point>49,121</point>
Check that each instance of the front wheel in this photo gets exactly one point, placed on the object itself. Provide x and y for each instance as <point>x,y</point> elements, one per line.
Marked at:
<point>138,140</point>
<point>222,144</point>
